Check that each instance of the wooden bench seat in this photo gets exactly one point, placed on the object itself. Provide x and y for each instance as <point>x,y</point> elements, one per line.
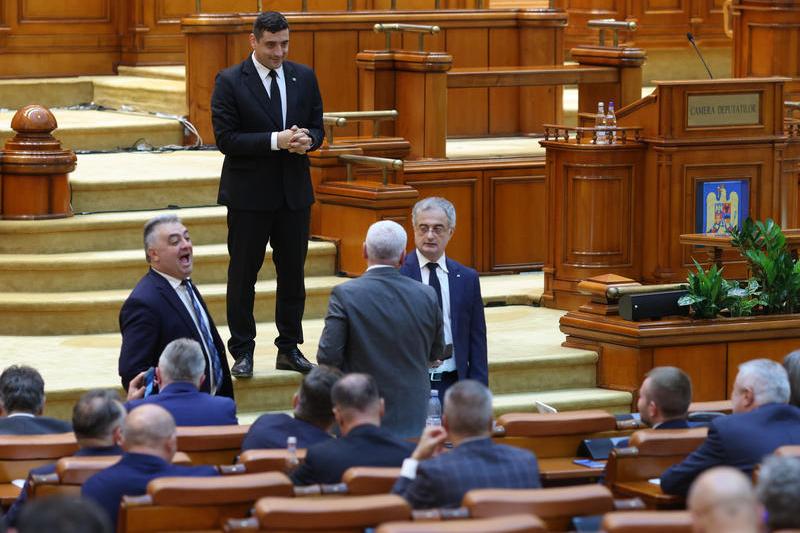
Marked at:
<point>268,460</point>
<point>211,445</point>
<point>21,453</point>
<point>650,453</point>
<point>516,523</point>
<point>648,522</point>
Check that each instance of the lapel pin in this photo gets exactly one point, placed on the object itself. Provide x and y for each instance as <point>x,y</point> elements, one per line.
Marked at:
<point>458,275</point>
<point>294,79</point>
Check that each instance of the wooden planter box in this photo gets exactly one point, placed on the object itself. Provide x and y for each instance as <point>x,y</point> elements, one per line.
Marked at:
<point>710,351</point>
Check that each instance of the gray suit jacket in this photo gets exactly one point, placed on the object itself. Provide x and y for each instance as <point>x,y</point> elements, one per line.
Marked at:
<point>389,326</point>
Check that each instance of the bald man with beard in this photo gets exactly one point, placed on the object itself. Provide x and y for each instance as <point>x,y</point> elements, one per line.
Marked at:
<point>149,440</point>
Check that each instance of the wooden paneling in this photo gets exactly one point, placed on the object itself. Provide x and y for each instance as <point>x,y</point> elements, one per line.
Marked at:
<point>469,48</point>
<point>503,106</point>
<point>69,11</point>
<point>515,221</point>
<point>739,352</point>
<point>705,364</point>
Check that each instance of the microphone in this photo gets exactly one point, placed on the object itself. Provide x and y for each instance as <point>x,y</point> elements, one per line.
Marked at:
<point>691,40</point>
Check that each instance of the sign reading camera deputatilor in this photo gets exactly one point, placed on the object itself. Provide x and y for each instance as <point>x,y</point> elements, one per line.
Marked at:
<point>735,109</point>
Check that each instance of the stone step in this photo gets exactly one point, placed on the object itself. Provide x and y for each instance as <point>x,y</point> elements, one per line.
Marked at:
<point>155,95</point>
<point>75,313</point>
<point>104,231</point>
<point>169,72</point>
<point>105,130</point>
<point>565,400</point>
<point>145,180</point>
<point>49,92</point>
<point>121,269</point>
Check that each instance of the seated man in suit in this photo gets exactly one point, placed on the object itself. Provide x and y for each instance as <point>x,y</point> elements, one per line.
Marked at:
<point>22,404</point>
<point>778,490</point>
<point>180,374</point>
<point>761,422</point>
<point>432,477</point>
<point>63,514</point>
<point>149,442</point>
<point>313,415</point>
<point>97,423</point>
<point>722,499</point>
<point>358,409</point>
<point>458,289</point>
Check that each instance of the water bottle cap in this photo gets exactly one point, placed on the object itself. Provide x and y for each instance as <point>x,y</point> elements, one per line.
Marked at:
<point>291,440</point>
<point>434,392</point>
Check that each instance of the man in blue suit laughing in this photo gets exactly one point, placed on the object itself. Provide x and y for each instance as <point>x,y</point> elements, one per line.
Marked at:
<point>458,289</point>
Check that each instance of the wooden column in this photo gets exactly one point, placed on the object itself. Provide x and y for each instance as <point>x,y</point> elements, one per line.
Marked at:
<point>34,172</point>
<point>347,209</point>
<point>629,61</point>
<point>418,83</point>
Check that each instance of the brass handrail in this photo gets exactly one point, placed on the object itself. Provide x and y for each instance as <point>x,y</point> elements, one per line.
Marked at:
<point>615,292</point>
<point>613,25</point>
<point>411,28</point>
<point>339,119</point>
<point>384,163</point>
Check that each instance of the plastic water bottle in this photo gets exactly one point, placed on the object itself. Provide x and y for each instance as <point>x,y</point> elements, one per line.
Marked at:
<point>600,124</point>
<point>611,123</point>
<point>434,410</point>
<point>291,452</point>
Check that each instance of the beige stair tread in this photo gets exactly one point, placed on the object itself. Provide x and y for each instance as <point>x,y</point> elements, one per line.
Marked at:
<point>55,300</point>
<point>98,120</point>
<point>514,289</point>
<point>148,169</point>
<point>139,83</point>
<point>565,399</point>
<point>170,72</point>
<point>495,147</point>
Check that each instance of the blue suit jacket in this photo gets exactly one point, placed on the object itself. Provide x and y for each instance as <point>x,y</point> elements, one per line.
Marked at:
<point>33,425</point>
<point>477,464</point>
<point>130,476</point>
<point>467,319</point>
<point>738,440</point>
<point>152,317</point>
<point>364,445</point>
<point>13,513</point>
<point>272,429</point>
<point>190,407</point>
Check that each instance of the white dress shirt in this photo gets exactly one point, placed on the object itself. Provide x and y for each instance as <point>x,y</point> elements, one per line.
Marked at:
<point>263,73</point>
<point>183,293</point>
<point>448,365</point>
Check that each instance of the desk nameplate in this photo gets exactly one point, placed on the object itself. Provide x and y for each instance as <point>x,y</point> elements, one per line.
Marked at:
<point>732,109</point>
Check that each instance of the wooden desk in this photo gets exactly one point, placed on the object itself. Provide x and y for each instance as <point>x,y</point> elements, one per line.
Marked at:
<point>717,244</point>
<point>650,493</point>
<point>562,469</point>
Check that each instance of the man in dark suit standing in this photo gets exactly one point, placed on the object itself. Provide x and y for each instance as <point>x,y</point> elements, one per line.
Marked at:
<point>388,326</point>
<point>180,374</point>
<point>22,404</point>
<point>458,290</point>
<point>267,113</point>
<point>761,422</point>
<point>358,409</point>
<point>165,305</point>
<point>432,477</point>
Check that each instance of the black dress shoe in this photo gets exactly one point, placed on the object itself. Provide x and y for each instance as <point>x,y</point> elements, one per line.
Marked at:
<point>293,360</point>
<point>243,367</point>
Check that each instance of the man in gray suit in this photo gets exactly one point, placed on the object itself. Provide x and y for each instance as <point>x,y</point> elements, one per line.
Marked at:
<point>388,326</point>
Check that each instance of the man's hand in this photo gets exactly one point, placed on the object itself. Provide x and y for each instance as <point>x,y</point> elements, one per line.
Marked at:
<point>430,443</point>
<point>136,387</point>
<point>284,137</point>
<point>300,141</point>
<point>436,364</point>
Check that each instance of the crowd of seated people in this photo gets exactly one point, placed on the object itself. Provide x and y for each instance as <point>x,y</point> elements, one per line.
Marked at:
<point>337,421</point>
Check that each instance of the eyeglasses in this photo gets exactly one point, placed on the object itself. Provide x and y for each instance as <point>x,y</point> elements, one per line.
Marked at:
<point>438,229</point>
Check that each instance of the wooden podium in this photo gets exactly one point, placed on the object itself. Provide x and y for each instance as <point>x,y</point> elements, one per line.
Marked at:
<point>613,211</point>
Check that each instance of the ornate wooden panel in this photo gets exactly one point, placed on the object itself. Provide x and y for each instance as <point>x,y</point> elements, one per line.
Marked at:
<point>705,364</point>
<point>469,48</point>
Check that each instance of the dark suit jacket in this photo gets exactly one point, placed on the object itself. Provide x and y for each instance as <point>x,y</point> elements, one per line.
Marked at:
<point>681,423</point>
<point>190,407</point>
<point>738,440</point>
<point>467,319</point>
<point>364,445</point>
<point>152,317</point>
<point>130,476</point>
<point>272,429</point>
<point>36,425</point>
<point>476,464</point>
<point>254,177</point>
<point>390,327</point>
<point>13,513</point>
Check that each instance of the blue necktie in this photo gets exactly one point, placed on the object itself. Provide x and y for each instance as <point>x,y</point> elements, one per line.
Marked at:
<point>205,330</point>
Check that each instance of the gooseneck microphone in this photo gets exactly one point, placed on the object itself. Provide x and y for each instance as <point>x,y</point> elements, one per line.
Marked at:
<point>691,40</point>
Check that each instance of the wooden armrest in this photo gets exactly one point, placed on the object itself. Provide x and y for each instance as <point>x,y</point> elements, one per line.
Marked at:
<point>433,515</point>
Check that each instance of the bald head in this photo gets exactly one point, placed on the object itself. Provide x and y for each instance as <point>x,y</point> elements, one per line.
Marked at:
<point>149,429</point>
<point>356,401</point>
<point>723,499</point>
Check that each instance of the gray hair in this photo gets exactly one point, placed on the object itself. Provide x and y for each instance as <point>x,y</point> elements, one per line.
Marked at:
<point>182,360</point>
<point>386,241</point>
<point>468,408</point>
<point>791,363</point>
<point>150,229</point>
<point>779,490</point>
<point>435,202</point>
<point>767,379</point>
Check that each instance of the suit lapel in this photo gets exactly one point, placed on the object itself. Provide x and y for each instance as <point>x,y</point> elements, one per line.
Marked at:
<point>412,266</point>
<point>291,93</point>
<point>455,281</point>
<point>256,86</point>
<point>169,294</point>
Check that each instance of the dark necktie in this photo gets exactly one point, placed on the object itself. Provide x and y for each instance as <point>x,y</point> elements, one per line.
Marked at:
<point>433,281</point>
<point>275,98</point>
<point>205,330</point>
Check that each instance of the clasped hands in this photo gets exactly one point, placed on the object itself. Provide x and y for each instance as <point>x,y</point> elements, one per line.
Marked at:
<point>296,140</point>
